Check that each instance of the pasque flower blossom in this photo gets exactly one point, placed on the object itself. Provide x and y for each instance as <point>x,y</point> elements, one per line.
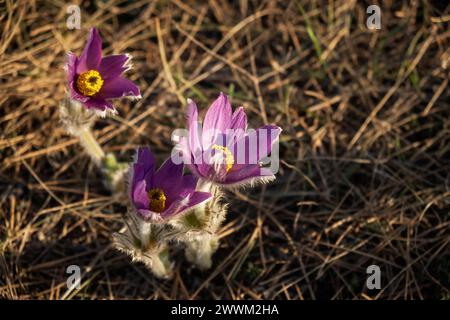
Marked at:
<point>224,151</point>
<point>158,195</point>
<point>93,80</point>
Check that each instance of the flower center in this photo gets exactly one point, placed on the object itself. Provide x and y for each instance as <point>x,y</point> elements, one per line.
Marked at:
<point>89,83</point>
<point>229,159</point>
<point>157,200</point>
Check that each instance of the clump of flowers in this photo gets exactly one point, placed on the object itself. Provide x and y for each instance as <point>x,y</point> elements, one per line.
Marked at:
<point>168,207</point>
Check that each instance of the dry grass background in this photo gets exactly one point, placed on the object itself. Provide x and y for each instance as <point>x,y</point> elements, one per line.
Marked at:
<point>364,175</point>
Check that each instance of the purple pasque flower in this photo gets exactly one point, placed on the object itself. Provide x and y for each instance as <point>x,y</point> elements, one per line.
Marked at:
<point>158,195</point>
<point>224,151</point>
<point>94,80</point>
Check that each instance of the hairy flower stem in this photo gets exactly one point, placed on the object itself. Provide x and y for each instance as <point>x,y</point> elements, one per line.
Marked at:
<point>200,250</point>
<point>90,144</point>
<point>206,218</point>
<point>145,242</point>
<point>158,259</point>
<point>78,121</point>
<point>161,265</point>
<point>113,170</point>
<point>146,234</point>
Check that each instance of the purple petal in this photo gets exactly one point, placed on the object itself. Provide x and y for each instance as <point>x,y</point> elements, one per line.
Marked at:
<point>149,215</point>
<point>248,173</point>
<point>145,156</point>
<point>187,185</point>
<point>194,128</point>
<point>183,147</point>
<point>254,146</point>
<point>168,177</point>
<point>92,54</point>
<point>184,204</point>
<point>139,195</point>
<point>266,137</point>
<point>203,168</point>
<point>175,207</point>
<point>195,170</point>
<point>118,87</point>
<point>198,197</point>
<point>168,171</point>
<point>141,176</point>
<point>113,66</point>
<point>239,119</point>
<point>144,167</point>
<point>99,104</point>
<point>192,112</point>
<point>217,120</point>
<point>238,127</point>
<point>71,66</point>
<point>188,157</point>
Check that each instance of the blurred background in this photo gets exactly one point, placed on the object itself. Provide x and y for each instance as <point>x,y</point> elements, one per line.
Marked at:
<point>364,153</point>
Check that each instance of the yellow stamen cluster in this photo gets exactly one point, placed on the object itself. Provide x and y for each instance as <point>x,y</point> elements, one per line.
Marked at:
<point>89,83</point>
<point>157,200</point>
<point>229,159</point>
